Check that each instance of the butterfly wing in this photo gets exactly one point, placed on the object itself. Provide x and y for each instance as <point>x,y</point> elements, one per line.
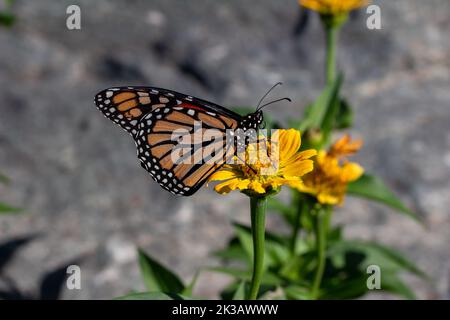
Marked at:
<point>127,105</point>
<point>181,140</point>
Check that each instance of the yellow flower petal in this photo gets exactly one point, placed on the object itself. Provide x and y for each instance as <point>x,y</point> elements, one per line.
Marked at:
<point>325,198</point>
<point>333,6</point>
<point>257,187</point>
<point>344,147</point>
<point>263,174</point>
<point>225,187</point>
<point>298,168</point>
<point>328,181</point>
<point>289,142</point>
<point>351,171</point>
<point>222,175</point>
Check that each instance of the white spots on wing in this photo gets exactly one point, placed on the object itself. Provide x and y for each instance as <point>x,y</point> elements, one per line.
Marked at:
<point>112,109</point>
<point>178,102</point>
<point>142,94</point>
<point>178,108</point>
<point>133,123</point>
<point>211,113</point>
<point>107,101</point>
<point>153,91</point>
<point>191,112</point>
<point>109,94</point>
<point>163,99</point>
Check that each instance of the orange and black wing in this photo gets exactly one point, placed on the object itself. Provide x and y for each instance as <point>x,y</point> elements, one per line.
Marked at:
<point>126,106</point>
<point>172,132</point>
<point>179,149</point>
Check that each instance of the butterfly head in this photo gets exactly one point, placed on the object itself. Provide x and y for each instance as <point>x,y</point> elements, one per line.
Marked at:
<point>253,121</point>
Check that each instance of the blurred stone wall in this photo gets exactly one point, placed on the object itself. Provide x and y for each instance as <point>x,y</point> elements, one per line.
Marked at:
<point>85,196</point>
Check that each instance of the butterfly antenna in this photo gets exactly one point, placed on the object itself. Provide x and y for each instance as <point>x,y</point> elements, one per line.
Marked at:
<point>274,101</point>
<point>264,96</point>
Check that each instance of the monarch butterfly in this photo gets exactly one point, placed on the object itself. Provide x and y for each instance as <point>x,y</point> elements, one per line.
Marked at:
<point>151,115</point>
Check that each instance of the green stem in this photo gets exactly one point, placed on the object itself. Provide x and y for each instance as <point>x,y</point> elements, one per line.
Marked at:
<point>321,231</point>
<point>258,214</point>
<point>331,34</point>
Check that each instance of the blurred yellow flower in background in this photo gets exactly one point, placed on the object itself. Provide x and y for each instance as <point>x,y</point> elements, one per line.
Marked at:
<point>332,172</point>
<point>261,173</point>
<point>333,7</point>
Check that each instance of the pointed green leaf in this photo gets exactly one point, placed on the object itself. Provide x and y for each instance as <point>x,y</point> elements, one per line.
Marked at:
<point>158,277</point>
<point>7,209</point>
<point>233,251</point>
<point>371,187</point>
<point>294,292</point>
<point>190,287</point>
<point>386,258</point>
<point>240,292</point>
<point>344,117</point>
<point>392,283</point>
<point>276,251</point>
<point>320,114</point>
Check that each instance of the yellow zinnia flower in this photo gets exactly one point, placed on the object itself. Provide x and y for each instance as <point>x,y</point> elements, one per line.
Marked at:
<point>332,172</point>
<point>262,174</point>
<point>333,7</point>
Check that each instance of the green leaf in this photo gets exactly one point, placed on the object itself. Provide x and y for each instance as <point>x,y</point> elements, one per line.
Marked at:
<point>392,283</point>
<point>150,296</point>
<point>294,292</point>
<point>387,258</point>
<point>276,205</point>
<point>190,287</point>
<point>371,187</point>
<point>7,19</point>
<point>245,238</point>
<point>240,292</point>
<point>276,250</point>
<point>233,251</point>
<point>320,114</point>
<point>349,288</point>
<point>344,117</point>
<point>268,278</point>
<point>4,179</point>
<point>6,209</point>
<point>157,277</point>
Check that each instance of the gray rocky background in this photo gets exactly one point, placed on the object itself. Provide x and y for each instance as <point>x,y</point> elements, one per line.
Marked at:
<point>85,196</point>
